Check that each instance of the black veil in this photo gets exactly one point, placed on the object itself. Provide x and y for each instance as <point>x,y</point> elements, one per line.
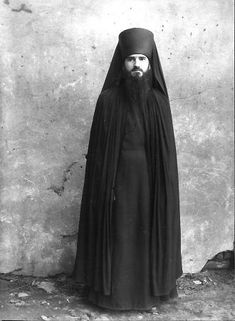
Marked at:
<point>116,64</point>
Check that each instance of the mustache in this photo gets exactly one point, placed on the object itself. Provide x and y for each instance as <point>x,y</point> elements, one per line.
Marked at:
<point>135,68</point>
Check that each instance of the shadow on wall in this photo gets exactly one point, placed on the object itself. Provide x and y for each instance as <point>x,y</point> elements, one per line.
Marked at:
<point>222,260</point>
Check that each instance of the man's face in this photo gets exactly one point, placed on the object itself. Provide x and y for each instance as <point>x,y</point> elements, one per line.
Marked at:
<point>136,65</point>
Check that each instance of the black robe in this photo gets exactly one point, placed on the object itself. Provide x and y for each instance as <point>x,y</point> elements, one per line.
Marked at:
<point>94,260</point>
<point>93,265</point>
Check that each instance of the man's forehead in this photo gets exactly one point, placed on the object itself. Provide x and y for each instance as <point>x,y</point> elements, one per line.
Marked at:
<point>137,55</point>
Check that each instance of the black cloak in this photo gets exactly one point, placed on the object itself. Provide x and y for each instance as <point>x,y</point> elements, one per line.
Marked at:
<point>93,262</point>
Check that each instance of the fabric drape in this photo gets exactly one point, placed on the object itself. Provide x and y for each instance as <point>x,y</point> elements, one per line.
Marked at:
<point>93,264</point>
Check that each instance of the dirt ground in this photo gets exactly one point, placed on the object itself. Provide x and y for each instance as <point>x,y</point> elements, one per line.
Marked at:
<point>208,295</point>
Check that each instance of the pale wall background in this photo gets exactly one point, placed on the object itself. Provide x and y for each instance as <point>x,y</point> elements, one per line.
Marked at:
<point>54,57</point>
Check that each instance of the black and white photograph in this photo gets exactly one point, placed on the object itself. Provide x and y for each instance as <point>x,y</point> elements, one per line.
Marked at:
<point>117,160</point>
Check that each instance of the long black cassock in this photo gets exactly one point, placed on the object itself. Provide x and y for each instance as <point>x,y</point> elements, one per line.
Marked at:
<point>100,263</point>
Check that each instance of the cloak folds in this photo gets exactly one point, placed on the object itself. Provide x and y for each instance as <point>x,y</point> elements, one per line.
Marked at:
<point>93,264</point>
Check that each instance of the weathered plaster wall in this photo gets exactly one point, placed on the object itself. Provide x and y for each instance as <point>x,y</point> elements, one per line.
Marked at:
<point>54,57</point>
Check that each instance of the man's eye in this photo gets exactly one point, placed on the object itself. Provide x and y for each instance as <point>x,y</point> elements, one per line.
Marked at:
<point>142,58</point>
<point>130,59</point>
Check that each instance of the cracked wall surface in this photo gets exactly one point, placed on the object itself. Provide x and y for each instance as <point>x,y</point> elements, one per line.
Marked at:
<point>54,57</point>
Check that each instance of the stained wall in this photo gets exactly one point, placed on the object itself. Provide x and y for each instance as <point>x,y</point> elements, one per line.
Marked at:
<point>54,57</point>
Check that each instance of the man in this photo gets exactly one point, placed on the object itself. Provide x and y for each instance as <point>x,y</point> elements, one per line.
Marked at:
<point>129,252</point>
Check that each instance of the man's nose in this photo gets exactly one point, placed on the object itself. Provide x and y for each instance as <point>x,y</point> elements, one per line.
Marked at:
<point>137,62</point>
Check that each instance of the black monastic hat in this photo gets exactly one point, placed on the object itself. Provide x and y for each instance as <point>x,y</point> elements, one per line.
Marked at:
<point>136,41</point>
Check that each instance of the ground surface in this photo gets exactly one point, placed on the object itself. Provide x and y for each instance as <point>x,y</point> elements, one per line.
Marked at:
<point>207,295</point>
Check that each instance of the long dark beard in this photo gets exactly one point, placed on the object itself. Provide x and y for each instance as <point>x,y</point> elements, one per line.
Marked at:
<point>136,88</point>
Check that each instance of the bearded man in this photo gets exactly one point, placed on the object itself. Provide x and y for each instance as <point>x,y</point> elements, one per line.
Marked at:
<point>129,253</point>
